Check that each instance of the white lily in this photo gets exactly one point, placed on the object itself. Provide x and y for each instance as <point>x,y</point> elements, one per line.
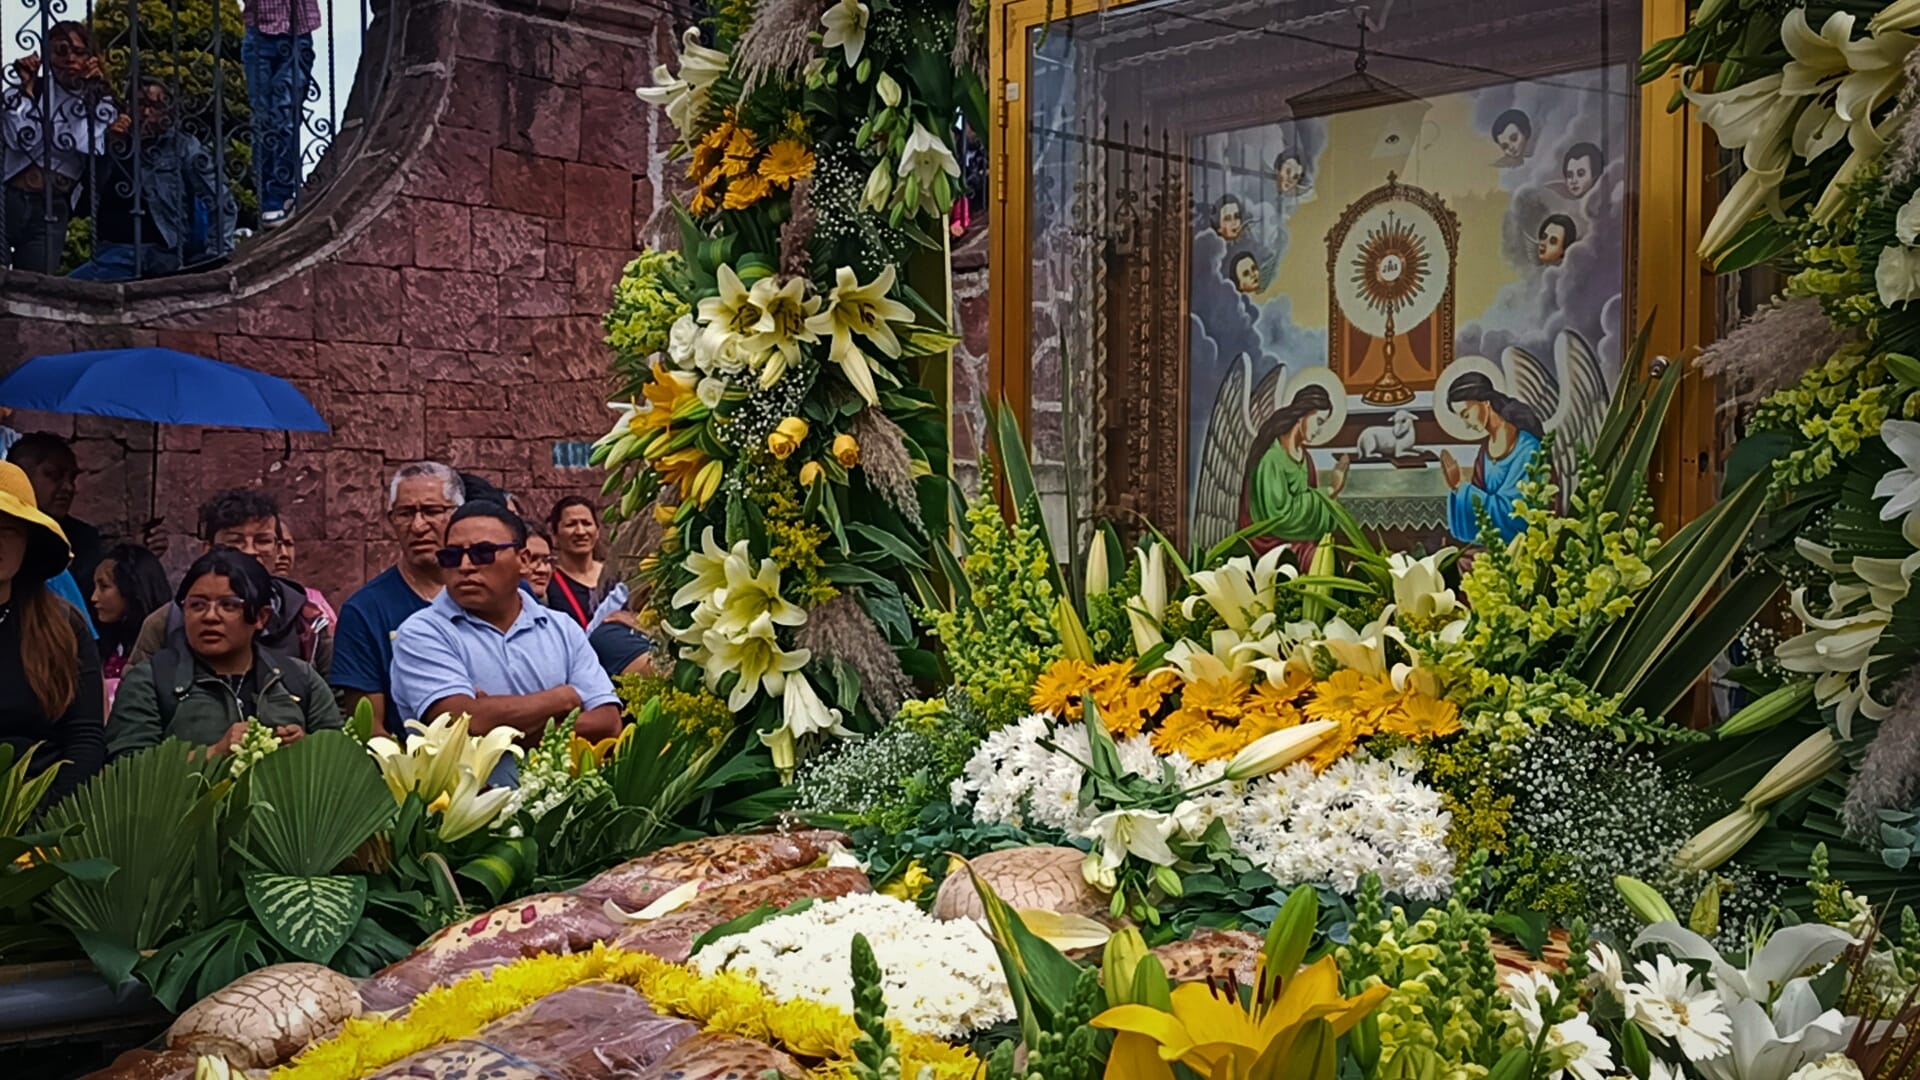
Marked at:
<point>467,808</point>
<point>1097,577</point>
<point>1145,611</point>
<point>728,317</point>
<point>1363,650</point>
<point>1240,591</point>
<point>866,310</point>
<point>1419,587</point>
<point>846,26</point>
<point>1120,833</point>
<point>756,655</point>
<point>1901,487</point>
<point>1774,1047</point>
<point>1838,651</point>
<point>1756,118</point>
<point>752,592</point>
<point>1278,749</point>
<point>804,713</point>
<point>784,311</point>
<point>1788,955</point>
<point>428,761</point>
<point>924,159</point>
<point>684,94</point>
<point>709,569</point>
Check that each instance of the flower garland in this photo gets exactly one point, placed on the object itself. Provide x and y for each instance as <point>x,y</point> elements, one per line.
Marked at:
<point>773,416</point>
<point>719,1003</point>
<point>940,978</point>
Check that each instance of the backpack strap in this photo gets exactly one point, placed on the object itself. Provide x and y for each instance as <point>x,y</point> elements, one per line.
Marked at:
<point>166,694</point>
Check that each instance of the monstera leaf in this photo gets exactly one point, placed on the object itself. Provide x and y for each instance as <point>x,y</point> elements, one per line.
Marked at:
<point>311,917</point>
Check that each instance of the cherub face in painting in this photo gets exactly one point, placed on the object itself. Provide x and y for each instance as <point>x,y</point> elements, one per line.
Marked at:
<point>1581,175</point>
<point>1228,222</point>
<point>1290,175</point>
<point>1246,274</point>
<point>1511,142</point>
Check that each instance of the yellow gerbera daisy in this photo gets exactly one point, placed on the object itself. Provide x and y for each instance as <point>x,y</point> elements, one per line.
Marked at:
<point>1059,688</point>
<point>745,190</point>
<point>786,161</point>
<point>1336,698</point>
<point>1220,699</point>
<point>1175,730</point>
<point>702,202</point>
<point>1422,717</point>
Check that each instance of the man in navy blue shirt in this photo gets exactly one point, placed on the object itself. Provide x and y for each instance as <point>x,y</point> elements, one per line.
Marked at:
<point>420,501</point>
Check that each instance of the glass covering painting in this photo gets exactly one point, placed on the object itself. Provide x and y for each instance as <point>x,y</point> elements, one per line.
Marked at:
<point>1293,262</point>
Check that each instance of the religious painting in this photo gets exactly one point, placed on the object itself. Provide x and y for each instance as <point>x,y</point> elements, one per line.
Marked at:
<point>1394,305</point>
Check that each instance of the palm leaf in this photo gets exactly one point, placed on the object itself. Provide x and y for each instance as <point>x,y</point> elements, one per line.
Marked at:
<point>1673,674</point>
<point>313,803</point>
<point>1627,478</point>
<point>141,814</point>
<point>1629,648</point>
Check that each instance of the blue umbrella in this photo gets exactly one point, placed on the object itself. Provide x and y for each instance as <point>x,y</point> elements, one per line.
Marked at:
<point>160,385</point>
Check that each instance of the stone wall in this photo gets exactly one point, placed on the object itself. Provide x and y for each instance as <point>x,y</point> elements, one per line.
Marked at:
<point>440,296</point>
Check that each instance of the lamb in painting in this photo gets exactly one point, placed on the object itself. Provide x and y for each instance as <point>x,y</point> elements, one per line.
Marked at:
<point>1389,440</point>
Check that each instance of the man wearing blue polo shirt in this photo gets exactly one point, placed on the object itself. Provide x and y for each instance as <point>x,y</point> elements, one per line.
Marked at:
<point>484,648</point>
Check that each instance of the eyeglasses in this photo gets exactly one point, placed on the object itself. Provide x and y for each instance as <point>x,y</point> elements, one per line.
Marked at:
<point>482,554</point>
<point>540,560</point>
<point>227,605</point>
<point>404,515</point>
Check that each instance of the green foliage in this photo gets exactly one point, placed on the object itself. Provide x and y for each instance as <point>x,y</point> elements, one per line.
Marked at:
<point>143,814</point>
<point>647,299</point>
<point>311,917</point>
<point>875,1056</point>
<point>886,779</point>
<point>20,793</point>
<point>313,803</point>
<point>660,765</point>
<point>1446,1000</point>
<point>1002,636</point>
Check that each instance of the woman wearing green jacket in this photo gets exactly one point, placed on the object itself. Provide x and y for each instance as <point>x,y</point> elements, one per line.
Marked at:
<point>206,687</point>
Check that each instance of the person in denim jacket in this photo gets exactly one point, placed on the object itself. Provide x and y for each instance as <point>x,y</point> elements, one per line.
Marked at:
<point>155,173</point>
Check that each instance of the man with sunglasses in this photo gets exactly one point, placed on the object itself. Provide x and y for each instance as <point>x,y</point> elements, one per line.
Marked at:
<point>206,687</point>
<point>486,649</point>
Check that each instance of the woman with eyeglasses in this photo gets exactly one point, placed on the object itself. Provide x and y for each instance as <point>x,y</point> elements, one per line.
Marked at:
<point>536,562</point>
<point>207,693</point>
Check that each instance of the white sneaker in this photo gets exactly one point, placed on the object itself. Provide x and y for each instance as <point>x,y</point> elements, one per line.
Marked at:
<point>273,219</point>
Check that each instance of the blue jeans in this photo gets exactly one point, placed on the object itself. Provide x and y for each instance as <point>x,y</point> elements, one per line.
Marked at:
<point>279,69</point>
<point>115,262</point>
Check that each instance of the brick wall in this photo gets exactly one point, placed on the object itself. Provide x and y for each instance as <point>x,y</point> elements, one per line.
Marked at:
<point>440,295</point>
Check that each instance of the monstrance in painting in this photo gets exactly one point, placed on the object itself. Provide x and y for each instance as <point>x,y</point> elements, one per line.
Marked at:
<point>1390,267</point>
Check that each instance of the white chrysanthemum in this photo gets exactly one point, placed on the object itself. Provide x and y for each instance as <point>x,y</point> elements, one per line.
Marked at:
<point>939,978</point>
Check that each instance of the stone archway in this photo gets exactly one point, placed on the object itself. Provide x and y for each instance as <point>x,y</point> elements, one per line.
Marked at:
<point>440,297</point>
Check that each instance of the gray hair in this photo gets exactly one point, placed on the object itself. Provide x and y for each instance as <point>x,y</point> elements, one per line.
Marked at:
<point>449,481</point>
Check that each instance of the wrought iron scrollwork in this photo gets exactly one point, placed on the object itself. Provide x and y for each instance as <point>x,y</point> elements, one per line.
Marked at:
<point>135,136</point>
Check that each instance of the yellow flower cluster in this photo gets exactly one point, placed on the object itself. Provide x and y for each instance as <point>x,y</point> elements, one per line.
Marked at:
<point>723,1003</point>
<point>1127,703</point>
<point>1216,718</point>
<point>730,169</point>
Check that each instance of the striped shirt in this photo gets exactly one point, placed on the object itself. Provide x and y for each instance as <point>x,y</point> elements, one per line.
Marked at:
<point>283,16</point>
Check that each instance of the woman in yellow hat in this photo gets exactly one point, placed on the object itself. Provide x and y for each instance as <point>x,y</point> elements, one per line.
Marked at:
<point>51,693</point>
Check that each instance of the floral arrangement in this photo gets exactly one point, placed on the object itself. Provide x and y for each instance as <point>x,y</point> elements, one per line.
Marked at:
<point>1824,378</point>
<point>771,409</point>
<point>729,1003</point>
<point>940,978</point>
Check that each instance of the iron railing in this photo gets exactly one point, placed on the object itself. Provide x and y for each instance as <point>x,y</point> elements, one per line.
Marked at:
<point>140,138</point>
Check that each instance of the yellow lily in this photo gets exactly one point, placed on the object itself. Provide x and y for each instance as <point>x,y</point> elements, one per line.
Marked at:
<point>1211,1032</point>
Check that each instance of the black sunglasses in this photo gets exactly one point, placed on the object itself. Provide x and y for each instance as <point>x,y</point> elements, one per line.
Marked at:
<point>482,554</point>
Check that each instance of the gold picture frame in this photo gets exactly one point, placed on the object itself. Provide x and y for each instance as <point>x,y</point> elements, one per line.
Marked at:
<point>1143,448</point>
